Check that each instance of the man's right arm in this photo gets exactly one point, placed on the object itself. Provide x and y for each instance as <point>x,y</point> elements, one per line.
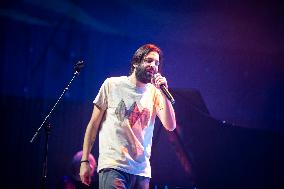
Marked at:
<point>89,139</point>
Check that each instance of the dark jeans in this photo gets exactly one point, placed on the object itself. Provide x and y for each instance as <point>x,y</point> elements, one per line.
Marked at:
<point>112,178</point>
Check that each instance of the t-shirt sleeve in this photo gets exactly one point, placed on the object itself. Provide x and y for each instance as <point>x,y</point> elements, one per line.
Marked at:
<point>101,99</point>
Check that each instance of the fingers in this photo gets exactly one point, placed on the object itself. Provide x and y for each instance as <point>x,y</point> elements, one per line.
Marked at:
<point>85,179</point>
<point>160,80</point>
<point>85,175</point>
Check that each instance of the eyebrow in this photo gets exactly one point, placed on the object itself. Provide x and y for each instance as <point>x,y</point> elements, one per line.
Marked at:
<point>151,57</point>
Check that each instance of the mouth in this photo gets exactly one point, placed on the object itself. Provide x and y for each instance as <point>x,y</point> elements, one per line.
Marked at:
<point>150,74</point>
<point>150,71</point>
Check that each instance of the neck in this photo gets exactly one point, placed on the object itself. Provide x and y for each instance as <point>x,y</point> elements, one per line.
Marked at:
<point>133,80</point>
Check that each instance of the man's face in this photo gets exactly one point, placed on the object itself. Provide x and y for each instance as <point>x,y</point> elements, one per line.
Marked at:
<point>148,67</point>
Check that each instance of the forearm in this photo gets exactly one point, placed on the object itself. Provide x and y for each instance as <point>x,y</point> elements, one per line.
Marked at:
<point>167,114</point>
<point>91,131</point>
<point>89,139</point>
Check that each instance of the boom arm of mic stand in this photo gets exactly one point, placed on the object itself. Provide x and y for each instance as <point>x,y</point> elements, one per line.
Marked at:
<point>52,109</point>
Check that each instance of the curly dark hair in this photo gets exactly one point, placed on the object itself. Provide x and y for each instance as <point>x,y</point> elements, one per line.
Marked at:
<point>141,52</point>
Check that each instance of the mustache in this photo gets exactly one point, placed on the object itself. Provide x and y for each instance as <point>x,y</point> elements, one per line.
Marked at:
<point>152,70</point>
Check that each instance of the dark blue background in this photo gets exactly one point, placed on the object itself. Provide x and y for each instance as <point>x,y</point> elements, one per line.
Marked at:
<point>231,51</point>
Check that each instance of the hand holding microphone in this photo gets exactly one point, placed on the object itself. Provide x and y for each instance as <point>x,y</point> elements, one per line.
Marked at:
<point>160,82</point>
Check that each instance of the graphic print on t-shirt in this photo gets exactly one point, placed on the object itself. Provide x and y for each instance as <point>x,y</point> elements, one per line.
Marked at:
<point>133,114</point>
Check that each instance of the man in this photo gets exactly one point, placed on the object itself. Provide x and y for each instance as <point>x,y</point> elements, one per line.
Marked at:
<point>124,114</point>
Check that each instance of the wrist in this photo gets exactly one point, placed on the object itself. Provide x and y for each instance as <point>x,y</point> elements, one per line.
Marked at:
<point>85,161</point>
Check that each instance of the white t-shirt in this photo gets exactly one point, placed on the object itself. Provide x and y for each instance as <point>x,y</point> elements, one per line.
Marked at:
<point>126,130</point>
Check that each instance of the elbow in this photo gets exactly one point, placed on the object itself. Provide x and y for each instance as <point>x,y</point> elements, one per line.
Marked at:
<point>169,123</point>
<point>171,127</point>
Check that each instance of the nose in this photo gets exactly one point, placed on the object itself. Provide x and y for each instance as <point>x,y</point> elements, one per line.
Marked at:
<point>153,64</point>
<point>154,67</point>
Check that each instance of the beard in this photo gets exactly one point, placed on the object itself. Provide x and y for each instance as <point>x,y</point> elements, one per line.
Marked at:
<point>143,75</point>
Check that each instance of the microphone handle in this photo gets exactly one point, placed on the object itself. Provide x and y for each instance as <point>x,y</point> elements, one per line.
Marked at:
<point>167,93</point>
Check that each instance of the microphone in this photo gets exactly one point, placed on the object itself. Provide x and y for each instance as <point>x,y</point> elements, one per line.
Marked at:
<point>166,92</point>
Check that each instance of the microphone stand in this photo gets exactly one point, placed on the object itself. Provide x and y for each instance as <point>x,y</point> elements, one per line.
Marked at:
<point>47,126</point>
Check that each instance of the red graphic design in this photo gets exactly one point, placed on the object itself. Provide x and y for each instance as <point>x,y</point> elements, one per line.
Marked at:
<point>144,117</point>
<point>133,114</point>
